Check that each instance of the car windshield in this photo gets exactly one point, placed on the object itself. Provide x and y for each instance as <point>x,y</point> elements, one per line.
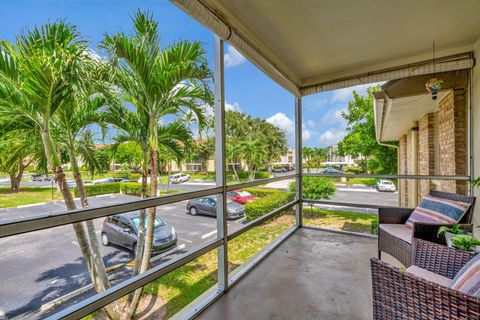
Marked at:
<point>229,201</point>
<point>158,222</point>
<point>244,194</point>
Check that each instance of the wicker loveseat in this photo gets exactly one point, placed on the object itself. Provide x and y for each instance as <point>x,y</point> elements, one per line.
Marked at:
<point>395,238</point>
<point>403,295</point>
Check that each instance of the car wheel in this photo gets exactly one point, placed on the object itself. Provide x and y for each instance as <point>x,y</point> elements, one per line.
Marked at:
<point>105,240</point>
<point>193,211</point>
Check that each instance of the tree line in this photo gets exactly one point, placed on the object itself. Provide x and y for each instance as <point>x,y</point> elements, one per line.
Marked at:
<point>54,90</point>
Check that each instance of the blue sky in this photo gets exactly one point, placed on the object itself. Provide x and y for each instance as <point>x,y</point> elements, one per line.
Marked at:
<point>246,88</point>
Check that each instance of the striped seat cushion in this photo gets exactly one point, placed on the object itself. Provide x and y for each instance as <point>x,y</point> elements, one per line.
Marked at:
<point>467,279</point>
<point>435,210</point>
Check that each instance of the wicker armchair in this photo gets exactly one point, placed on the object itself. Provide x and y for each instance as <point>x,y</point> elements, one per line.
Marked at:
<point>402,295</point>
<point>400,248</point>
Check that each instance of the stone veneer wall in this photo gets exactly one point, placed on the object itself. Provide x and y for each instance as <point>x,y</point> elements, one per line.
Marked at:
<point>426,151</point>
<point>453,140</point>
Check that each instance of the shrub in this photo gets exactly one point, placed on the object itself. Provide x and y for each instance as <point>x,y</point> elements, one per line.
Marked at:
<point>258,174</point>
<point>134,176</point>
<point>130,188</point>
<point>98,189</point>
<point>262,192</point>
<point>316,188</point>
<point>274,200</point>
<point>353,170</point>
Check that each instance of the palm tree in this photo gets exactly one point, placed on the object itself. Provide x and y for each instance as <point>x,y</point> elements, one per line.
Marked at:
<point>255,155</point>
<point>172,81</point>
<point>158,82</point>
<point>232,153</point>
<point>133,127</point>
<point>38,77</point>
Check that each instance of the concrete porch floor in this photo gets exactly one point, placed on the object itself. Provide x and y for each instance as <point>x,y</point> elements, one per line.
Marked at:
<point>312,275</point>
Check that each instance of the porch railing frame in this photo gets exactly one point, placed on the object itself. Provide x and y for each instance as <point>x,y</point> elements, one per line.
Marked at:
<point>85,307</point>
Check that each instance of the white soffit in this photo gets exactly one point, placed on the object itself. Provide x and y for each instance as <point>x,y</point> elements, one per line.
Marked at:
<point>404,112</point>
<point>322,45</point>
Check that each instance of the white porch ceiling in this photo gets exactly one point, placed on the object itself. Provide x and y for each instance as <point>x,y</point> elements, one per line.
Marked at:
<point>315,42</point>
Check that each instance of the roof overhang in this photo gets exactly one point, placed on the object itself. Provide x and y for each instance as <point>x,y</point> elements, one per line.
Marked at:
<point>309,46</point>
<point>401,103</point>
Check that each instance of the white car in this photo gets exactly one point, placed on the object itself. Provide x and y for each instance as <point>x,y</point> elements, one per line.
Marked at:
<point>386,185</point>
<point>179,178</point>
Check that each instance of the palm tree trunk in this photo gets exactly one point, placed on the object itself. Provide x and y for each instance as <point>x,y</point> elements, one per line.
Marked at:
<point>54,161</point>
<point>97,256</point>
<point>235,171</point>
<point>147,253</point>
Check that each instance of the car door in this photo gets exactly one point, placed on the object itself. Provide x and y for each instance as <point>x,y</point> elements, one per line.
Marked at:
<point>127,233</point>
<point>211,207</point>
<point>202,205</point>
<point>113,231</point>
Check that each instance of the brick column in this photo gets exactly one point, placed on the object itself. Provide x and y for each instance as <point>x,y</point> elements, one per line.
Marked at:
<point>453,139</point>
<point>402,169</point>
<point>426,151</point>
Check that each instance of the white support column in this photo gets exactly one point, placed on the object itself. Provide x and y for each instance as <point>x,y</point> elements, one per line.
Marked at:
<point>298,160</point>
<point>220,163</point>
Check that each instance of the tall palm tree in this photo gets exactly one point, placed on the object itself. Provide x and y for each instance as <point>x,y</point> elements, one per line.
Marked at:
<point>159,82</point>
<point>133,126</point>
<point>255,155</point>
<point>232,153</point>
<point>38,77</point>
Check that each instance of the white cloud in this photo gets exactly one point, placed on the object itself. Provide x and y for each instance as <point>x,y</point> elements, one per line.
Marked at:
<point>283,122</point>
<point>333,116</point>
<point>331,136</point>
<point>232,107</point>
<point>233,58</point>
<point>346,94</point>
<point>310,124</point>
<point>280,120</point>
<point>306,135</point>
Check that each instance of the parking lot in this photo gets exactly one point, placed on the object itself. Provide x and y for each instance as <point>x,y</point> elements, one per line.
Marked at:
<point>49,262</point>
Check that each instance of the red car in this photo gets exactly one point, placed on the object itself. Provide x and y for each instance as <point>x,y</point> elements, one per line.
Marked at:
<point>240,196</point>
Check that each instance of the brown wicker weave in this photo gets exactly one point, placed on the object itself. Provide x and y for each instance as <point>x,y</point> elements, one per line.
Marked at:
<point>401,295</point>
<point>402,250</point>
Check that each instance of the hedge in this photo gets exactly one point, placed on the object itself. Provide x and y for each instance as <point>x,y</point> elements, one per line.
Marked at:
<point>258,174</point>
<point>130,188</point>
<point>268,201</point>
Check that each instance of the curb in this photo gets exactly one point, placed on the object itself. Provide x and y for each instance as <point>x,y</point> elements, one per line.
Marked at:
<point>60,300</point>
<point>52,304</point>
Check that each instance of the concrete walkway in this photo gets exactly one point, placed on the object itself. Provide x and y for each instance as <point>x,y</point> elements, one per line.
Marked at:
<point>312,275</point>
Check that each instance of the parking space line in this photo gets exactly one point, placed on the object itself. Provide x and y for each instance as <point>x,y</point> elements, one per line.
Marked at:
<point>206,235</point>
<point>158,257</point>
<point>240,220</point>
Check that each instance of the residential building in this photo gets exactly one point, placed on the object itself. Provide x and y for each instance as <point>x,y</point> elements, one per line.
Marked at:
<point>334,159</point>
<point>432,134</point>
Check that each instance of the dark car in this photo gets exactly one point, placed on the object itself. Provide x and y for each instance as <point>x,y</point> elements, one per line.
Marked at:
<point>208,206</point>
<point>332,170</point>
<point>122,230</point>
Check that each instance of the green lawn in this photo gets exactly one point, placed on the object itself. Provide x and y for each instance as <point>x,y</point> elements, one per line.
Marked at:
<point>341,220</point>
<point>185,284</point>
<point>366,181</point>
<point>27,195</point>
